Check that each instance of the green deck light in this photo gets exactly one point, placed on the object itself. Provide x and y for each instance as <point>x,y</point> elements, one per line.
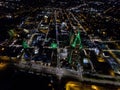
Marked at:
<point>70,58</point>
<point>11,33</point>
<point>25,45</point>
<point>77,40</point>
<point>53,45</point>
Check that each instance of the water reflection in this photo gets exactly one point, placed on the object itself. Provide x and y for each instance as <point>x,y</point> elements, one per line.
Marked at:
<point>3,66</point>
<point>84,86</point>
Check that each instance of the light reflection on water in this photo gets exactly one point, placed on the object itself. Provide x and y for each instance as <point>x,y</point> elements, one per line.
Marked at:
<point>3,66</point>
<point>72,85</point>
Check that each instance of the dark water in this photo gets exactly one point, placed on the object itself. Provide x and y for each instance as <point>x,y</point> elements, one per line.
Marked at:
<point>12,80</point>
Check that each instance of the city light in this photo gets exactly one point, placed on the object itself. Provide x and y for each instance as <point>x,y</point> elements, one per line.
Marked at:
<point>59,44</point>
